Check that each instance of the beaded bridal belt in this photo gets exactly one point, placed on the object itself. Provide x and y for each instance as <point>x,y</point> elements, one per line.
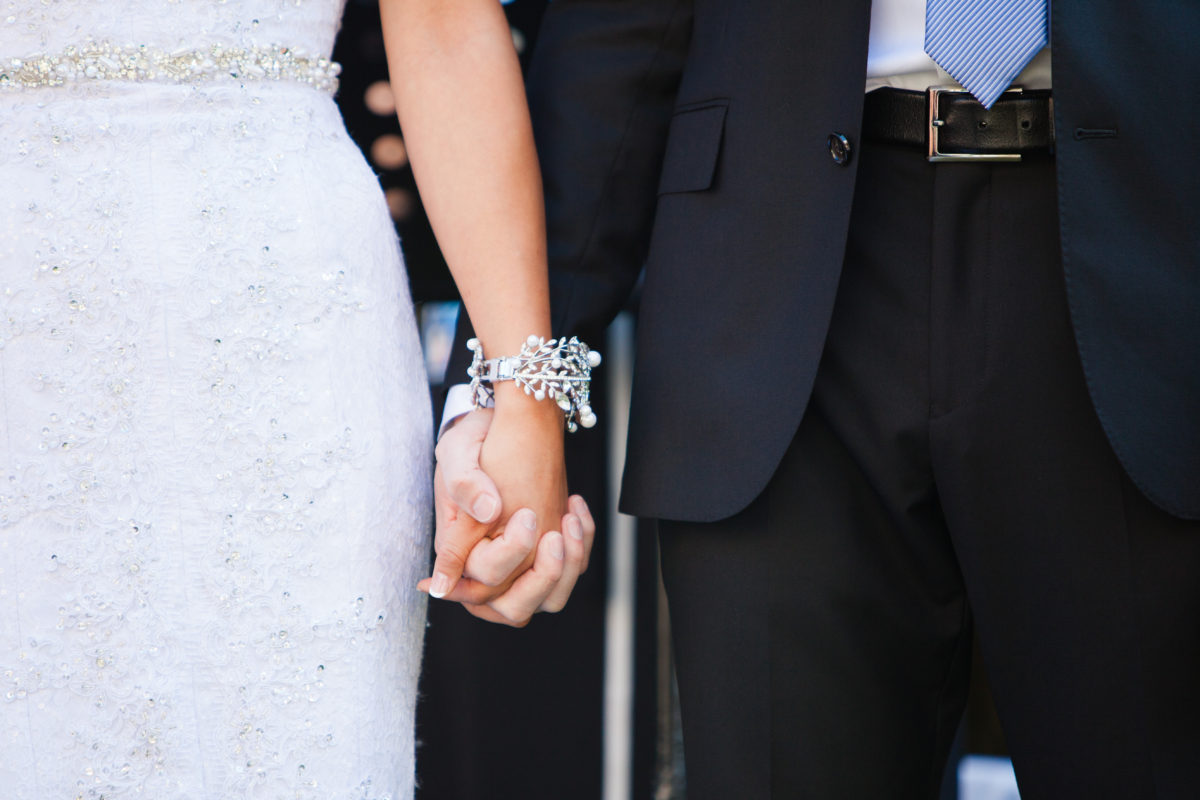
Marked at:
<point>103,62</point>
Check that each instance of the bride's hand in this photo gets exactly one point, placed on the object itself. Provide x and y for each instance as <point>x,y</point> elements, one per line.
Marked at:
<point>505,579</point>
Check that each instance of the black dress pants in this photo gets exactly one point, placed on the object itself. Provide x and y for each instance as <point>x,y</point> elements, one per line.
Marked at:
<point>950,473</point>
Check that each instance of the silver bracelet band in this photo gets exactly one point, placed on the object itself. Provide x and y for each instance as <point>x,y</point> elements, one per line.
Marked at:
<point>558,369</point>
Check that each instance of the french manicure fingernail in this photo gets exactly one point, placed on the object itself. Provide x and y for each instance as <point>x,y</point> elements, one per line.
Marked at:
<point>574,528</point>
<point>484,508</point>
<point>556,548</point>
<point>440,585</point>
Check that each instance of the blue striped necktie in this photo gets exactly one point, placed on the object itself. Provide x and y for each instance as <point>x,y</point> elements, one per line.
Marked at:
<point>984,44</point>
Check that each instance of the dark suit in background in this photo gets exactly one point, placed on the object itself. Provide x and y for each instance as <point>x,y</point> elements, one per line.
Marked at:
<point>868,409</point>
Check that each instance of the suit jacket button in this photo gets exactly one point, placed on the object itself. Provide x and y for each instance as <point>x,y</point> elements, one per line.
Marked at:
<point>839,148</point>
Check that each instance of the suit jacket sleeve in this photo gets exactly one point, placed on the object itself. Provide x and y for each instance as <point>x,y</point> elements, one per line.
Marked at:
<point>601,88</point>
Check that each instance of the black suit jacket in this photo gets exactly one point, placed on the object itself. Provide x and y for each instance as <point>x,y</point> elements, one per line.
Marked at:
<point>691,136</point>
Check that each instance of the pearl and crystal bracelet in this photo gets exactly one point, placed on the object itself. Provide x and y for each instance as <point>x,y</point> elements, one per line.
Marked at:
<point>558,369</point>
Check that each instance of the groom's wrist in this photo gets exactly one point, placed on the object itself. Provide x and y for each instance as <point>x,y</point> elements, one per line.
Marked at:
<point>460,401</point>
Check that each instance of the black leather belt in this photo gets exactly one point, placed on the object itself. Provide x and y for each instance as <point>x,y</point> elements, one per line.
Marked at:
<point>951,125</point>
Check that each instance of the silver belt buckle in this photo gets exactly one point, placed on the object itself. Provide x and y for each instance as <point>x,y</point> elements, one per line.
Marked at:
<point>933,154</point>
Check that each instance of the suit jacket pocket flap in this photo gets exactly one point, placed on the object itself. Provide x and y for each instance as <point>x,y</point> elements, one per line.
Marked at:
<point>693,145</point>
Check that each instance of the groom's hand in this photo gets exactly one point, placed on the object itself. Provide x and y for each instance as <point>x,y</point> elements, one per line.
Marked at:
<point>501,570</point>
<point>466,501</point>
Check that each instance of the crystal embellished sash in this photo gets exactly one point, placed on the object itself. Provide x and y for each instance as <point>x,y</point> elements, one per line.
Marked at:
<point>105,62</point>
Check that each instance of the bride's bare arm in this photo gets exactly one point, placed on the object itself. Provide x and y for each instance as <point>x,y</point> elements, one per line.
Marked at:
<point>461,103</point>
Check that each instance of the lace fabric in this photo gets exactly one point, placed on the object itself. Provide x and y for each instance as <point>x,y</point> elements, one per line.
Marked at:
<point>214,430</point>
<point>31,27</point>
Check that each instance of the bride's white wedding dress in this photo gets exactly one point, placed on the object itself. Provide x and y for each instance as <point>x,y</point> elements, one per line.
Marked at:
<point>214,425</point>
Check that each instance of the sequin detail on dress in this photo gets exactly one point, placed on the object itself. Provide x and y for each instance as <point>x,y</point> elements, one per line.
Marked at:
<point>106,62</point>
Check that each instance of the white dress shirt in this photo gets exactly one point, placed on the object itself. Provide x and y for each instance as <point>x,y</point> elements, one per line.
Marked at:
<point>896,53</point>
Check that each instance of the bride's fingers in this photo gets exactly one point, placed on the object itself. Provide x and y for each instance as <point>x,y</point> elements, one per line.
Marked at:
<point>467,591</point>
<point>493,561</point>
<point>572,565</point>
<point>528,592</point>
<point>453,544</point>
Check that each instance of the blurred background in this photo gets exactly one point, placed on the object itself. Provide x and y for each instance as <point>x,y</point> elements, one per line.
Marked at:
<point>578,705</point>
